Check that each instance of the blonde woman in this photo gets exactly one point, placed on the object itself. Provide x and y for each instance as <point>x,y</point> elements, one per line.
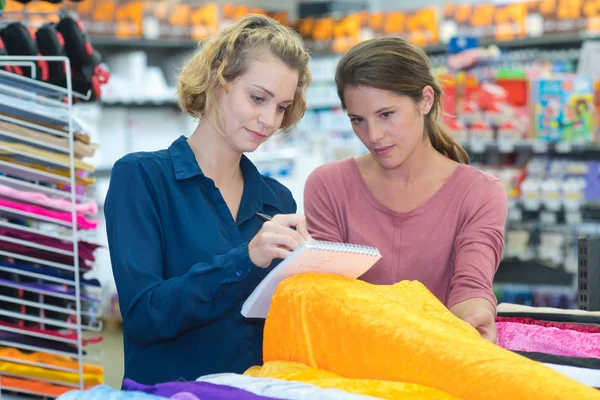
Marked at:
<point>434,218</point>
<point>186,242</point>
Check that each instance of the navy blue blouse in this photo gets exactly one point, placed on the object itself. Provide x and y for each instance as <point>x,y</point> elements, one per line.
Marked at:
<point>181,265</point>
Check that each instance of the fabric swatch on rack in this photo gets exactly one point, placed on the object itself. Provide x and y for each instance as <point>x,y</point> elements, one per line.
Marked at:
<point>80,149</point>
<point>32,372</point>
<point>37,387</point>
<point>16,339</point>
<point>203,390</point>
<point>60,171</point>
<point>82,222</point>
<point>89,208</point>
<point>579,362</point>
<point>49,359</point>
<point>56,334</point>
<point>535,338</point>
<point>22,312</point>
<point>44,255</point>
<point>47,271</point>
<point>36,119</point>
<point>58,289</point>
<point>85,249</point>
<point>61,158</point>
<point>105,392</point>
<point>551,324</point>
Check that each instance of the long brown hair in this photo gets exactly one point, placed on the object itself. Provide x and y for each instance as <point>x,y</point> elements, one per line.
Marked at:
<point>224,57</point>
<point>393,64</point>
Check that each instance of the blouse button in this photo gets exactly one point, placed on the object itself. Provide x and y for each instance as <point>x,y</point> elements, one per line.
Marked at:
<point>239,272</point>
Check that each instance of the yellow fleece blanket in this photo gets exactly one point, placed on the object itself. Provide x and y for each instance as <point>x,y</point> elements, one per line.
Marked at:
<point>398,333</point>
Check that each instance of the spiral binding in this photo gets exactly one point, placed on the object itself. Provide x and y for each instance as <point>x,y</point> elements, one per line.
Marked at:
<point>343,247</point>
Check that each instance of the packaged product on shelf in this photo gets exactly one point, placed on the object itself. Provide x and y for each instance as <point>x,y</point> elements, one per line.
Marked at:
<point>480,134</point>
<point>563,109</point>
<point>597,109</point>
<point>531,193</point>
<point>456,128</point>
<point>508,136</point>
<point>495,115</point>
<point>471,113</point>
<point>573,190</point>
<point>517,245</point>
<point>551,194</point>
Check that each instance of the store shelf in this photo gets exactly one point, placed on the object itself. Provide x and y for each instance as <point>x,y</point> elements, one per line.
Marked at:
<point>43,295</point>
<point>542,41</point>
<point>532,146</point>
<point>531,272</point>
<point>162,103</point>
<point>141,43</point>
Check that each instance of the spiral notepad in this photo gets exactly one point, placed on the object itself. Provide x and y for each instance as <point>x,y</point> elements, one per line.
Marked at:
<point>344,259</point>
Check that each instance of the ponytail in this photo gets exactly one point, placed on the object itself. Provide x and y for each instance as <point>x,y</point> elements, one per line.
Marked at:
<point>442,141</point>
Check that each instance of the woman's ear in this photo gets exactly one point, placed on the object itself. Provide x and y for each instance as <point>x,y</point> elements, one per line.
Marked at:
<point>428,98</point>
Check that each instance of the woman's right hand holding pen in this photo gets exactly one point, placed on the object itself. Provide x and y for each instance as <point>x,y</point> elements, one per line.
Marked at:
<point>277,239</point>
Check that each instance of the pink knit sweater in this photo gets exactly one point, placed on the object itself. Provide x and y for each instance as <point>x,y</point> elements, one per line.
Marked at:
<point>452,244</point>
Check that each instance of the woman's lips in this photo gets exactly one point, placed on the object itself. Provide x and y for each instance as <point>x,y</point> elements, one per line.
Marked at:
<point>382,151</point>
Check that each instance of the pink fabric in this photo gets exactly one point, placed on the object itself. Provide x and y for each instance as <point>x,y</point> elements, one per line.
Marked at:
<point>82,222</point>
<point>535,338</point>
<point>551,324</point>
<point>452,244</point>
<point>85,249</point>
<point>89,208</point>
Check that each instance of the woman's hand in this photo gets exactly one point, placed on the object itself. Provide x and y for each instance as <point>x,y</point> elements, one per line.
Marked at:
<point>485,323</point>
<point>277,239</point>
<point>480,314</point>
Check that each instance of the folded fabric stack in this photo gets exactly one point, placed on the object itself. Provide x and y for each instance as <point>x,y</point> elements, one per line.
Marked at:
<point>328,337</point>
<point>40,257</point>
<point>565,340</point>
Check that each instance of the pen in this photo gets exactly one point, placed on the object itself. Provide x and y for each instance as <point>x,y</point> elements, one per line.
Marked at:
<point>264,217</point>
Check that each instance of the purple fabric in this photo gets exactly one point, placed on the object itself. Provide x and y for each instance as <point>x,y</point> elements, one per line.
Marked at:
<point>535,338</point>
<point>202,390</point>
<point>20,249</point>
<point>85,249</point>
<point>184,396</point>
<point>17,338</point>
<point>48,288</point>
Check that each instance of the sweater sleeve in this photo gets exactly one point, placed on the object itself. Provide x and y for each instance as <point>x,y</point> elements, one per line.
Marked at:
<point>478,246</point>
<point>156,309</point>
<point>322,220</point>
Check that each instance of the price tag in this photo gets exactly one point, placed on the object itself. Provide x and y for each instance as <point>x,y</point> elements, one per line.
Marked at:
<point>540,147</point>
<point>563,147</point>
<point>548,218</point>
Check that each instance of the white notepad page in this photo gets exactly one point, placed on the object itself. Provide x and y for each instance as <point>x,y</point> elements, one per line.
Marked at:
<point>347,260</point>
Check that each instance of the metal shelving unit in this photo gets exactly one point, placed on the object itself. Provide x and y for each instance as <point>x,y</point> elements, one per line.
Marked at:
<point>45,306</point>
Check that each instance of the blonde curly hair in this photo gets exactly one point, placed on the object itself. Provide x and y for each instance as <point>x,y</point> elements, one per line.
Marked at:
<point>224,57</point>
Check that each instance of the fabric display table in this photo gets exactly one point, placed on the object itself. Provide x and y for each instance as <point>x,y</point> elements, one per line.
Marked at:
<point>328,337</point>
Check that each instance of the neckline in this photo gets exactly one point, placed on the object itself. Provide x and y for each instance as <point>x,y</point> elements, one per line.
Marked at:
<point>366,191</point>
